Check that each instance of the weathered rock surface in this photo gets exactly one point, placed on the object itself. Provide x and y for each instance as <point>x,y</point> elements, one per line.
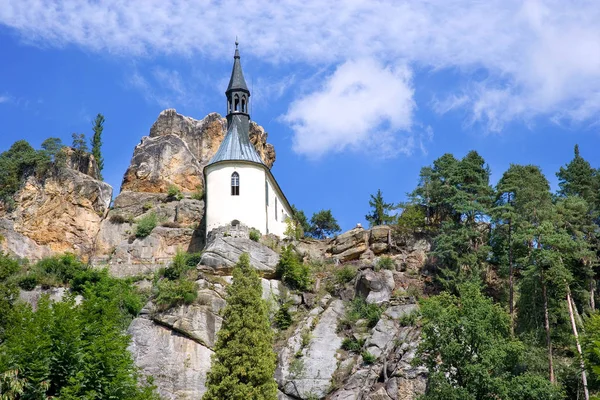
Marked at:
<point>32,297</point>
<point>225,245</point>
<point>177,363</point>
<point>311,373</point>
<point>376,287</point>
<point>61,213</point>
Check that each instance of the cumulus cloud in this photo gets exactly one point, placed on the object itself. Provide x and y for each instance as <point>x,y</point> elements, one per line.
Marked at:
<point>362,105</point>
<point>540,58</point>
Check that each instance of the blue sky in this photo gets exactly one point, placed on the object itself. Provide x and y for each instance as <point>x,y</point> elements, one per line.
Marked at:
<point>355,95</point>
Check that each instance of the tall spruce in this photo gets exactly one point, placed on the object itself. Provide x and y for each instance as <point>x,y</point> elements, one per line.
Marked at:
<point>97,142</point>
<point>243,364</point>
<point>380,210</point>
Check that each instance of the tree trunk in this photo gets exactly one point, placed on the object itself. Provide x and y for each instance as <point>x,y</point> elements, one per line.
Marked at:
<point>510,280</point>
<point>547,328</point>
<point>592,294</point>
<point>574,326</point>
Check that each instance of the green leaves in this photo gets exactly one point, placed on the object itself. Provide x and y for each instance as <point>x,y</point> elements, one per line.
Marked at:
<point>244,362</point>
<point>380,210</point>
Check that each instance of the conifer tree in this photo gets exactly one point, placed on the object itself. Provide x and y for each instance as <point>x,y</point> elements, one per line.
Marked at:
<point>380,210</point>
<point>97,142</point>
<point>244,361</point>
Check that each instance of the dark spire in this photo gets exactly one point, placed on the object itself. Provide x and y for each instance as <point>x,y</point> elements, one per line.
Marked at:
<point>237,81</point>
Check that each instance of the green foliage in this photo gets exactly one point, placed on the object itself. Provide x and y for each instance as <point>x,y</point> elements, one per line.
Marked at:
<point>344,275</point>
<point>591,349</point>
<point>63,267</point>
<point>182,262</point>
<point>71,351</point>
<point>254,235</point>
<point>360,309</point>
<point>412,218</point>
<point>368,358</point>
<point>244,363</point>
<point>16,164</point>
<point>198,193</point>
<point>293,229</point>
<point>96,142</point>
<point>283,318</point>
<point>8,266</point>
<point>467,348</point>
<point>385,263</point>
<point>28,282</point>
<point>380,213</point>
<point>292,271</point>
<point>352,344</point>
<point>323,224</point>
<point>409,319</point>
<point>145,225</point>
<point>173,293</point>
<point>578,178</point>
<point>174,193</point>
<point>301,220</point>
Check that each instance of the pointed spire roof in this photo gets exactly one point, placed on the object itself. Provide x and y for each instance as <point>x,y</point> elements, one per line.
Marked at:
<point>237,81</point>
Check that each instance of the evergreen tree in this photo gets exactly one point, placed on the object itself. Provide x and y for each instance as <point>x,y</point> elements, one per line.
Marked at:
<point>578,178</point>
<point>323,223</point>
<point>380,211</point>
<point>244,362</point>
<point>97,142</point>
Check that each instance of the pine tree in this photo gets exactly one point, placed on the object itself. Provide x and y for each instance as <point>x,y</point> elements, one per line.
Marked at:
<point>323,223</point>
<point>97,142</point>
<point>244,361</point>
<point>380,210</point>
<point>578,178</point>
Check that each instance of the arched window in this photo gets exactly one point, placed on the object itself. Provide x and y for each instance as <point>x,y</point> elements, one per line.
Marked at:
<point>235,184</point>
<point>236,103</point>
<point>244,104</point>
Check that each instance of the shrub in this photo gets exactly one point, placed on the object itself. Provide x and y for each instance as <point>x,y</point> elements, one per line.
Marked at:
<point>344,274</point>
<point>198,194</point>
<point>283,318</point>
<point>28,282</point>
<point>385,263</point>
<point>145,225</point>
<point>352,344</point>
<point>173,293</point>
<point>360,309</point>
<point>255,235</point>
<point>293,272</point>
<point>118,218</point>
<point>409,319</point>
<point>147,206</point>
<point>173,193</point>
<point>8,266</point>
<point>368,358</point>
<point>305,337</point>
<point>182,262</point>
<point>64,267</point>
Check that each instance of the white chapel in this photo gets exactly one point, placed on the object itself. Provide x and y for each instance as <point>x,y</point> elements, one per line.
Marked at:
<point>240,188</point>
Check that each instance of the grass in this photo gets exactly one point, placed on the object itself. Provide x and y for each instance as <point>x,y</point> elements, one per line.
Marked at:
<point>368,358</point>
<point>360,309</point>
<point>173,293</point>
<point>344,274</point>
<point>385,263</point>
<point>145,225</point>
<point>352,344</point>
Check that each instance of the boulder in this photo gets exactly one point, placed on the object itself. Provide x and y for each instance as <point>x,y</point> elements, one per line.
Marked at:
<point>223,250</point>
<point>376,287</point>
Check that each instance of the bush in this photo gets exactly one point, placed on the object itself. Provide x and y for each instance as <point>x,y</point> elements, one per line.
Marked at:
<point>368,358</point>
<point>8,266</point>
<point>173,193</point>
<point>182,262</point>
<point>385,263</point>
<point>255,235</point>
<point>283,318</point>
<point>118,218</point>
<point>360,309</point>
<point>409,319</point>
<point>293,272</point>
<point>198,194</point>
<point>63,268</point>
<point>351,344</point>
<point>145,225</point>
<point>28,282</point>
<point>344,274</point>
<point>173,293</point>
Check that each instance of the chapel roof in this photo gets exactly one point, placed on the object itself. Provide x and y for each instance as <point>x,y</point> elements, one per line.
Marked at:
<point>237,81</point>
<point>236,145</point>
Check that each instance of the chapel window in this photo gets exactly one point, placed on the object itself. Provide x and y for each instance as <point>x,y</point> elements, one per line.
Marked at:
<point>275,208</point>
<point>236,103</point>
<point>235,184</point>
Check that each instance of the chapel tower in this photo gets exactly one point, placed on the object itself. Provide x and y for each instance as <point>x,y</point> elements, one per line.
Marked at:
<point>240,188</point>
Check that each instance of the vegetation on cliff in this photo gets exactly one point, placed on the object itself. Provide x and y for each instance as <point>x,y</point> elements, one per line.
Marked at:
<point>244,361</point>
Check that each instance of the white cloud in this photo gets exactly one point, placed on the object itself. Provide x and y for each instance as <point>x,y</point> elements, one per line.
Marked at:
<point>540,58</point>
<point>4,99</point>
<point>362,105</point>
<point>164,87</point>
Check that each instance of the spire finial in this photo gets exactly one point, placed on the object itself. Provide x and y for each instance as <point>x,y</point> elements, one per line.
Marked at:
<point>236,42</point>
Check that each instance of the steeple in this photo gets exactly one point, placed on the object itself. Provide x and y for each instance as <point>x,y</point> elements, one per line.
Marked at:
<point>237,91</point>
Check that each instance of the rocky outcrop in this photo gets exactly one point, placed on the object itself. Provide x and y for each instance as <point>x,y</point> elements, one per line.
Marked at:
<point>32,297</point>
<point>309,359</point>
<point>179,148</point>
<point>59,213</point>
<point>225,245</point>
